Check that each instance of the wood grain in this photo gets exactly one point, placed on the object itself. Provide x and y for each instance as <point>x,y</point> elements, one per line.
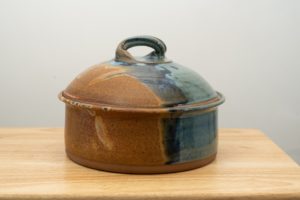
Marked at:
<point>33,165</point>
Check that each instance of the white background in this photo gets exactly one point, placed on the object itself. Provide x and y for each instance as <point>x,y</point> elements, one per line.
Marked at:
<point>248,50</point>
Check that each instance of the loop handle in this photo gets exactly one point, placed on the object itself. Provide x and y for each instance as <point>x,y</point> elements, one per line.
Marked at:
<point>157,56</point>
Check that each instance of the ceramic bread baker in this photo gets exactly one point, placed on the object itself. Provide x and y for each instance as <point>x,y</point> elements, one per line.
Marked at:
<point>141,114</point>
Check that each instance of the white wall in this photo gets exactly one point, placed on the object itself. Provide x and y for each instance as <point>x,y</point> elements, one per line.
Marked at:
<point>248,50</point>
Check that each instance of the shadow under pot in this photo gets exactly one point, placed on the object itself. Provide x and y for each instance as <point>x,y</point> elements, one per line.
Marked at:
<point>141,114</point>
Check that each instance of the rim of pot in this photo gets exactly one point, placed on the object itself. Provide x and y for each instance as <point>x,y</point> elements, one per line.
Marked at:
<point>204,105</point>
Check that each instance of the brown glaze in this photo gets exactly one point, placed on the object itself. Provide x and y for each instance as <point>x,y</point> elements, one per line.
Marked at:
<point>129,169</point>
<point>116,87</point>
<point>141,115</point>
<point>201,106</point>
<point>132,139</point>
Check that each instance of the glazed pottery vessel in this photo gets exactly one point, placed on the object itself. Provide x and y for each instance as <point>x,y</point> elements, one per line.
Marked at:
<point>141,114</point>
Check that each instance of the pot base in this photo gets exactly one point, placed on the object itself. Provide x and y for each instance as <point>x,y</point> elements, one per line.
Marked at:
<point>134,169</point>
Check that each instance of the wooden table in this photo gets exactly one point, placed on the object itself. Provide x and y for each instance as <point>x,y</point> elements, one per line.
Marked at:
<point>33,165</point>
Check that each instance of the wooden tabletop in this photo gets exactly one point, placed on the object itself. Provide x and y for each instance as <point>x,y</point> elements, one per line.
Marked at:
<point>33,165</point>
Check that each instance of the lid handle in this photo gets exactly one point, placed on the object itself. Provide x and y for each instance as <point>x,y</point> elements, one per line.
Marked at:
<point>157,56</point>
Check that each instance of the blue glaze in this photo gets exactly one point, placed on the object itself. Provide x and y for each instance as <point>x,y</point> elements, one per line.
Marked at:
<point>172,83</point>
<point>157,79</point>
<point>152,81</point>
<point>193,86</point>
<point>153,112</point>
<point>189,138</point>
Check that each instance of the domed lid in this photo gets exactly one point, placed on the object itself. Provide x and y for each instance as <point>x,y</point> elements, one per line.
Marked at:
<point>148,82</point>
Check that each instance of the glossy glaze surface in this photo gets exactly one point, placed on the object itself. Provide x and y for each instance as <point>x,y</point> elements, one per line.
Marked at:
<point>144,112</point>
<point>140,85</point>
<point>140,139</point>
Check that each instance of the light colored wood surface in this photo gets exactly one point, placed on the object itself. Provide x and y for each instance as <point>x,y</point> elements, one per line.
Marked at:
<point>33,165</point>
